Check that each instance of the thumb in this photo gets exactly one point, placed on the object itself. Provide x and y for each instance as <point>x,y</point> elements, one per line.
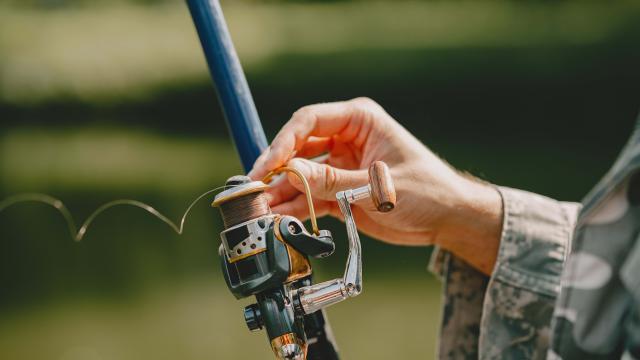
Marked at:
<point>324,180</point>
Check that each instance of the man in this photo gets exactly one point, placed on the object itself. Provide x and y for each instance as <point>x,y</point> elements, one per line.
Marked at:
<point>524,276</point>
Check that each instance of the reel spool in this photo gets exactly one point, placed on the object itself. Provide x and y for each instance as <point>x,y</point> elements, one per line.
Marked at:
<point>266,255</point>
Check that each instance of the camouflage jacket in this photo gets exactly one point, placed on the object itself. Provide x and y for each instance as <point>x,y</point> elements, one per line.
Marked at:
<point>566,284</point>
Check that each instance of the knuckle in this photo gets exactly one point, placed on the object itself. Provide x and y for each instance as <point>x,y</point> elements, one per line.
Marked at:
<point>330,177</point>
<point>275,143</point>
<point>302,113</point>
<point>365,102</point>
<point>367,109</point>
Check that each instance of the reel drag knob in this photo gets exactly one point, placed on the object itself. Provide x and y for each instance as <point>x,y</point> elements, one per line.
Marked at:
<point>252,317</point>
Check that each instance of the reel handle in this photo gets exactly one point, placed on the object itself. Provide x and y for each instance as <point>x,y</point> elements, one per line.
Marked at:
<point>383,193</point>
<point>309,299</point>
<point>380,189</point>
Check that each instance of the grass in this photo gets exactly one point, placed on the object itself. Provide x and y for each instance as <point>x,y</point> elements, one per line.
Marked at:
<point>201,320</point>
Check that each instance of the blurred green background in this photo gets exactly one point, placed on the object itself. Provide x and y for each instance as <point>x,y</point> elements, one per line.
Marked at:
<point>111,99</point>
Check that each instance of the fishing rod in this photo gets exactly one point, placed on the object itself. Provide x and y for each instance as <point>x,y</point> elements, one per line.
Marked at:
<point>266,255</point>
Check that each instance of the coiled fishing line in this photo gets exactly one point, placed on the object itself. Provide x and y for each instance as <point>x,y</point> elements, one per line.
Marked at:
<point>78,234</point>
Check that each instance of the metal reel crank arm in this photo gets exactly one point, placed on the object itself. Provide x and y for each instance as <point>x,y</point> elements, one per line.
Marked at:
<point>380,189</point>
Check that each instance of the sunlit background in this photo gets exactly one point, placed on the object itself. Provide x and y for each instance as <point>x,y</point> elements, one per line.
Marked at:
<point>111,99</point>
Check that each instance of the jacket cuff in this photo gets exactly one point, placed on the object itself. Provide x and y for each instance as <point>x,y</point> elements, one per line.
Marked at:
<point>536,237</point>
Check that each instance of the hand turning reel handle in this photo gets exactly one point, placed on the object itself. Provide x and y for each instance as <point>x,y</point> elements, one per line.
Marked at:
<point>266,255</point>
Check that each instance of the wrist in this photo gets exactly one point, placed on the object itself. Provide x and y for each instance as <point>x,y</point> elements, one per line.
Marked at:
<point>474,225</point>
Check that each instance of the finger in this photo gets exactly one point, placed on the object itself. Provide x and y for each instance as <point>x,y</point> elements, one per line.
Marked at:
<point>281,191</point>
<point>324,180</point>
<point>299,208</point>
<point>315,146</point>
<point>344,156</point>
<point>252,174</point>
<point>344,119</point>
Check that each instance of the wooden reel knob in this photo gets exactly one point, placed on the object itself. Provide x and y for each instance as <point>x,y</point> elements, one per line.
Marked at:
<point>383,193</point>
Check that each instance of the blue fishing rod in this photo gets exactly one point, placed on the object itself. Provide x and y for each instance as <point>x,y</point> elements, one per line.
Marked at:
<point>229,80</point>
<point>248,136</point>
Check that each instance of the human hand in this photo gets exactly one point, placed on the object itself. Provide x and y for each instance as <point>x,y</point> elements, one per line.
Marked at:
<point>435,203</point>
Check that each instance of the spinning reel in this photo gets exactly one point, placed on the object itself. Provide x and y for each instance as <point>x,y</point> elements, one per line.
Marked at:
<point>266,255</point>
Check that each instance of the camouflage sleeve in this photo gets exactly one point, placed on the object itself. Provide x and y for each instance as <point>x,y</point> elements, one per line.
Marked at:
<point>520,297</point>
<point>508,315</point>
<point>463,296</point>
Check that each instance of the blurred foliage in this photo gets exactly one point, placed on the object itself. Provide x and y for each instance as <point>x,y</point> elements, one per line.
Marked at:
<point>111,99</point>
<point>132,51</point>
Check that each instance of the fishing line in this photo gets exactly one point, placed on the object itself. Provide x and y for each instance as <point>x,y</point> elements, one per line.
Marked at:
<point>78,234</point>
<point>244,208</point>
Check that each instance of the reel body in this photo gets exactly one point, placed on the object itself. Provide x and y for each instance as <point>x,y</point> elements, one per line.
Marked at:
<point>266,255</point>
<point>269,251</point>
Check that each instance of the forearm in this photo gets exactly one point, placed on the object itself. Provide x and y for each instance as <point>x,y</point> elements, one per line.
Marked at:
<point>474,228</point>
